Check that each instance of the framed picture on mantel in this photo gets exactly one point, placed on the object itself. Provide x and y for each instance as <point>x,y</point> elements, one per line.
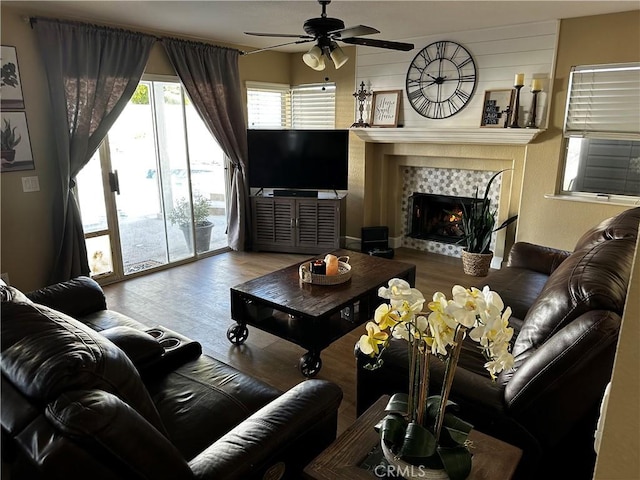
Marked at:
<point>497,108</point>
<point>385,108</point>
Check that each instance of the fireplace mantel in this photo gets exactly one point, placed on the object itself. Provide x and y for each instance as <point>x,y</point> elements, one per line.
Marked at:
<point>478,136</point>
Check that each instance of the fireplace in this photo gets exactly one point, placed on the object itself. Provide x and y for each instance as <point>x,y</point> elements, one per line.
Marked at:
<point>437,217</point>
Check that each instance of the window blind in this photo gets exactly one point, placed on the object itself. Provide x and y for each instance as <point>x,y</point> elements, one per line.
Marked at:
<point>604,102</point>
<point>268,105</point>
<point>313,106</point>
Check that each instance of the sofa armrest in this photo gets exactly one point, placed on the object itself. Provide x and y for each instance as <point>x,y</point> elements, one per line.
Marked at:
<point>76,297</point>
<point>556,385</point>
<point>287,433</point>
<point>141,348</point>
<point>536,257</point>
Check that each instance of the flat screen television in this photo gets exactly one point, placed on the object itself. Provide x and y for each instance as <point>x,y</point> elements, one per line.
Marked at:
<point>298,159</point>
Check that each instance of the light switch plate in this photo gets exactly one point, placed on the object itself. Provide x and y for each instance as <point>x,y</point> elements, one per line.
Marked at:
<point>30,184</point>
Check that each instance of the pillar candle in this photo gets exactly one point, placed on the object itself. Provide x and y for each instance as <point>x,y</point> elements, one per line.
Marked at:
<point>536,84</point>
<point>519,79</point>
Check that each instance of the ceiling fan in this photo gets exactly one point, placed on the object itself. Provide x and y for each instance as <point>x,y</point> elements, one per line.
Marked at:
<point>326,32</point>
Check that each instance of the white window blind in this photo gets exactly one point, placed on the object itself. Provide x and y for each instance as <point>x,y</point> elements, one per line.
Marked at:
<point>313,106</point>
<point>268,105</point>
<point>274,105</point>
<point>604,102</point>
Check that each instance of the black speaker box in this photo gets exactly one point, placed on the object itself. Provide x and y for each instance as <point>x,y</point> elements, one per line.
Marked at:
<point>296,193</point>
<point>374,238</point>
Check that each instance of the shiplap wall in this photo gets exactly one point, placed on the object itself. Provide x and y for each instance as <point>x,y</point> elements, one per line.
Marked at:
<point>499,54</point>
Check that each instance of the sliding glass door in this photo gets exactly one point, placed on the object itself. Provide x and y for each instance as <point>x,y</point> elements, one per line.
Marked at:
<point>157,171</point>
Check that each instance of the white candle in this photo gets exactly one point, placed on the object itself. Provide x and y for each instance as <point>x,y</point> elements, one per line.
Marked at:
<point>536,85</point>
<point>519,79</point>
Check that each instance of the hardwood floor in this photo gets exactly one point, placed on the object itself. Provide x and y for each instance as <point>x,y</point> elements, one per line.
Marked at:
<point>193,300</point>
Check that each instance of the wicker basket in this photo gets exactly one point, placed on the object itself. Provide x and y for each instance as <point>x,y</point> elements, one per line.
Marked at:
<point>476,264</point>
<point>343,275</point>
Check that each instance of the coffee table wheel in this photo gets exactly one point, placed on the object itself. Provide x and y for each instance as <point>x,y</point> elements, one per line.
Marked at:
<point>237,334</point>
<point>310,364</point>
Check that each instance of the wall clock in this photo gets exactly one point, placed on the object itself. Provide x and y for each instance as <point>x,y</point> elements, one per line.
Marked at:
<point>441,79</point>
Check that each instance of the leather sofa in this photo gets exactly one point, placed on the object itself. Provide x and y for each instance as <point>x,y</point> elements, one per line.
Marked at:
<point>90,393</point>
<point>567,309</point>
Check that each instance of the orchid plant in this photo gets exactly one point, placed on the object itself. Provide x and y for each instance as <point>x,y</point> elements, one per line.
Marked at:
<point>418,428</point>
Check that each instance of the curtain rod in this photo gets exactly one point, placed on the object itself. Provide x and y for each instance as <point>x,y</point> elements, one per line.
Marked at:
<point>33,20</point>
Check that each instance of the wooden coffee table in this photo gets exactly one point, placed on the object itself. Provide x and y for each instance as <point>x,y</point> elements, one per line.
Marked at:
<point>353,455</point>
<point>313,316</point>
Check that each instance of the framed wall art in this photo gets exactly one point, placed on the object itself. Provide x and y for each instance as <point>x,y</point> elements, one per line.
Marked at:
<point>385,108</point>
<point>497,108</point>
<point>10,82</point>
<point>16,148</point>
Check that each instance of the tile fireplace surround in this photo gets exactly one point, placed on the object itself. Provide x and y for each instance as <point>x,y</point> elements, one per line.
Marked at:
<point>443,181</point>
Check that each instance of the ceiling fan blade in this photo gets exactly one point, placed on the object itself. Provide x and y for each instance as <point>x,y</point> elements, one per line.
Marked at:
<point>279,45</point>
<point>356,31</point>
<point>371,42</point>
<point>291,35</point>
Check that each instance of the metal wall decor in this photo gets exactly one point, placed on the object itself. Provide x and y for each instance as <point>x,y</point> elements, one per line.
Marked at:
<point>361,96</point>
<point>441,80</point>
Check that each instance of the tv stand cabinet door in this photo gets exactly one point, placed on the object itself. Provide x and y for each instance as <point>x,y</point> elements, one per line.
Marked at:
<point>273,224</point>
<point>318,224</point>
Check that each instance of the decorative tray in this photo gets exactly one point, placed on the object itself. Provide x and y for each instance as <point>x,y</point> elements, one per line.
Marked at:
<point>343,275</point>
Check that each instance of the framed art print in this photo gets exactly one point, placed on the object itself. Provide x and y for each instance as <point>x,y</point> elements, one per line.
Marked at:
<point>497,108</point>
<point>385,108</point>
<point>16,147</point>
<point>10,82</point>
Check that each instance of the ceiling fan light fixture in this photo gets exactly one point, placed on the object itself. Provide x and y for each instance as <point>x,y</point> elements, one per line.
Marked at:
<point>313,58</point>
<point>338,56</point>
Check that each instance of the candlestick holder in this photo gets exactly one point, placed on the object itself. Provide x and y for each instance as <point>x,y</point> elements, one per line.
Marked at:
<point>532,119</point>
<point>361,96</point>
<point>507,116</point>
<point>516,108</point>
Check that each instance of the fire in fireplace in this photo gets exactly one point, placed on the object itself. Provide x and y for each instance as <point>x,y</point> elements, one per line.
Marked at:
<point>437,217</point>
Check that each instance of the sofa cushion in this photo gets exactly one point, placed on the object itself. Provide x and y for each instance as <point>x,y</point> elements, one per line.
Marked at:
<point>595,277</point>
<point>117,434</point>
<point>45,352</point>
<point>518,288</point>
<point>203,399</point>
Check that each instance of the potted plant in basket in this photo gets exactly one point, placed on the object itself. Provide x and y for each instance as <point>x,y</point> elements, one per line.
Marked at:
<point>478,222</point>
<point>181,216</point>
<point>420,436</point>
<point>8,141</point>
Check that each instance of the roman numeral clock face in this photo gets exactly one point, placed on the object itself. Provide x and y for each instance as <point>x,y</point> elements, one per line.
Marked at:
<point>441,80</point>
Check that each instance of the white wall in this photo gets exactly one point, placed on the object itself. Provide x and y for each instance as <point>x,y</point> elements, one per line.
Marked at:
<point>499,54</point>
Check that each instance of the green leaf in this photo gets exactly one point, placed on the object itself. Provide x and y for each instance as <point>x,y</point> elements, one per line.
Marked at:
<point>451,421</point>
<point>456,461</point>
<point>399,403</point>
<point>418,442</point>
<point>392,429</point>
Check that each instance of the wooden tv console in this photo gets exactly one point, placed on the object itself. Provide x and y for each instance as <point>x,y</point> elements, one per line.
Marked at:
<point>298,224</point>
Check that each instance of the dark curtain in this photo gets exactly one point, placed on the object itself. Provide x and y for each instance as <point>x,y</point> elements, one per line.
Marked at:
<point>92,72</point>
<point>210,77</point>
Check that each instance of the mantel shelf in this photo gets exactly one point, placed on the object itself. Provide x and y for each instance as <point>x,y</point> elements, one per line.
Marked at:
<point>478,136</point>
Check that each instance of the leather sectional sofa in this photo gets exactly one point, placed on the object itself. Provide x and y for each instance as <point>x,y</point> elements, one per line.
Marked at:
<point>90,393</point>
<point>567,309</point>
